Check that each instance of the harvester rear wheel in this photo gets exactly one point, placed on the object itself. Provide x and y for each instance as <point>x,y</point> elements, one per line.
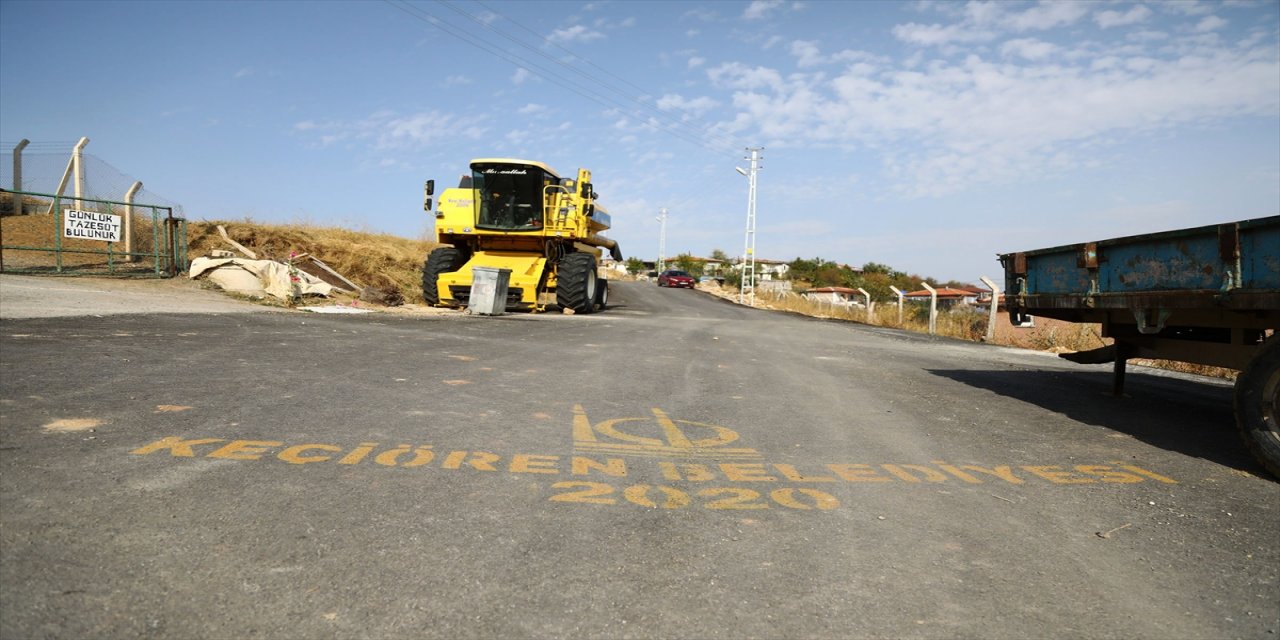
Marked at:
<point>602,294</point>
<point>441,260</point>
<point>576,282</point>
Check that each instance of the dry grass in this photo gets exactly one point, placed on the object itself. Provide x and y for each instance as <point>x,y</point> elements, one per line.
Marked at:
<point>1051,335</point>
<point>368,259</point>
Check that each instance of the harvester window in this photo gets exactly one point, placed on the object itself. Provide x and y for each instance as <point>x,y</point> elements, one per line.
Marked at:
<point>510,197</point>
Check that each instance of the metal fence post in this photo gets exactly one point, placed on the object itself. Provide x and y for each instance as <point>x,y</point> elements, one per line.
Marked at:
<point>933,307</point>
<point>900,294</point>
<point>995,303</point>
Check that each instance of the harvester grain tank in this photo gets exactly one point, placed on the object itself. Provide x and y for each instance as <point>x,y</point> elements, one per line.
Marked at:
<point>522,216</point>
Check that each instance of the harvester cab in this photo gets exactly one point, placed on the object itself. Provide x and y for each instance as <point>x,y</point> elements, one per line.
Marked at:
<point>522,216</point>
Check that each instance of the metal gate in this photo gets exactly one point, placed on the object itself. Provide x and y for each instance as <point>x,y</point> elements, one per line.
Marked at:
<point>47,233</point>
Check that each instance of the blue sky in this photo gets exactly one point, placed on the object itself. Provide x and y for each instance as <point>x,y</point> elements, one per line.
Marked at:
<point>925,135</point>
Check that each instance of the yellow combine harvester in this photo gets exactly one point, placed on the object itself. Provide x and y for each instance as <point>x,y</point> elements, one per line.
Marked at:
<point>520,215</point>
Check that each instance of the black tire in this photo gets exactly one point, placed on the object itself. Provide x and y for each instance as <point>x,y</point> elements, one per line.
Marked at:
<point>1257,400</point>
<point>602,294</point>
<point>441,260</point>
<point>576,282</point>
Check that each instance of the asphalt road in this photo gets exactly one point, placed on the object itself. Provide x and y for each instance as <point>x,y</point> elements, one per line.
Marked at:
<point>676,467</point>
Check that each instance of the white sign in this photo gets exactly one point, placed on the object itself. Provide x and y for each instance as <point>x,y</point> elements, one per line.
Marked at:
<point>90,225</point>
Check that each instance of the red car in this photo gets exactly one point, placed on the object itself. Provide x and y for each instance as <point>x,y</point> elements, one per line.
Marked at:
<point>675,278</point>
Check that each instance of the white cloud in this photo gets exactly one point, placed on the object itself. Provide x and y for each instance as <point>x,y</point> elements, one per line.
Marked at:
<point>1210,23</point>
<point>1108,19</point>
<point>735,75</point>
<point>456,80</point>
<point>672,101</point>
<point>532,109</point>
<point>1047,15</point>
<point>1146,35</point>
<point>936,34</point>
<point>420,129</point>
<point>692,33</point>
<point>772,42</point>
<point>521,75</point>
<point>696,61</point>
<point>1028,48</point>
<point>575,33</point>
<point>1188,7</point>
<point>701,15</point>
<point>243,73</point>
<point>806,53</point>
<point>385,131</point>
<point>985,21</point>
<point>760,9</point>
<point>947,124</point>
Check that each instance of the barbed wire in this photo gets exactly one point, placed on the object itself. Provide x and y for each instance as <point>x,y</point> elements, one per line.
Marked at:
<point>42,170</point>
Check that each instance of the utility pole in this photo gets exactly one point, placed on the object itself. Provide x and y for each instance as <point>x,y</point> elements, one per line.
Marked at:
<point>749,249</point>
<point>662,240</point>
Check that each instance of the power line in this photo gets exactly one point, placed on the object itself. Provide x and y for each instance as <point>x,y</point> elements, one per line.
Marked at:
<point>730,145</point>
<point>550,76</point>
<point>605,101</point>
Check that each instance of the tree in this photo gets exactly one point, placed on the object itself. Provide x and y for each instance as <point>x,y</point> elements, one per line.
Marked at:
<point>719,255</point>
<point>635,265</point>
<point>733,278</point>
<point>688,264</point>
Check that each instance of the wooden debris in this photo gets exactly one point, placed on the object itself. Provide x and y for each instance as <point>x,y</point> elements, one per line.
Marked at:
<point>323,271</point>
<point>222,231</point>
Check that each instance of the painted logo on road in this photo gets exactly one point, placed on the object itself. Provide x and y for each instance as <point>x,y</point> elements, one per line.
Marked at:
<point>667,463</point>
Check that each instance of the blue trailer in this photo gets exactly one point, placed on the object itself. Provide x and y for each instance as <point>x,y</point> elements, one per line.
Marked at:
<point>1208,295</point>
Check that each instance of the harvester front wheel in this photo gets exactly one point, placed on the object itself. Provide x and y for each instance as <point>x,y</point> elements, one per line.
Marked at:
<point>441,260</point>
<point>576,282</point>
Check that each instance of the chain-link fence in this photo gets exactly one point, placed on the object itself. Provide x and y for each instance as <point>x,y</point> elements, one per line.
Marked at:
<point>114,226</point>
<point>89,236</point>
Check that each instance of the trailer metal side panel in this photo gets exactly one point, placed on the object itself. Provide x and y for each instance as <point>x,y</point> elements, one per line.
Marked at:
<point>1260,257</point>
<point>1167,264</point>
<point>1229,266</point>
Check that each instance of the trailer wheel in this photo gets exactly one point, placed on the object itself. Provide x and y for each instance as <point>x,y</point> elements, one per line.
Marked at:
<point>441,260</point>
<point>576,282</point>
<point>1257,400</point>
<point>602,294</point>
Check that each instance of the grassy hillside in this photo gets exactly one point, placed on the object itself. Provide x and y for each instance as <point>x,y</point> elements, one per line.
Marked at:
<point>368,259</point>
